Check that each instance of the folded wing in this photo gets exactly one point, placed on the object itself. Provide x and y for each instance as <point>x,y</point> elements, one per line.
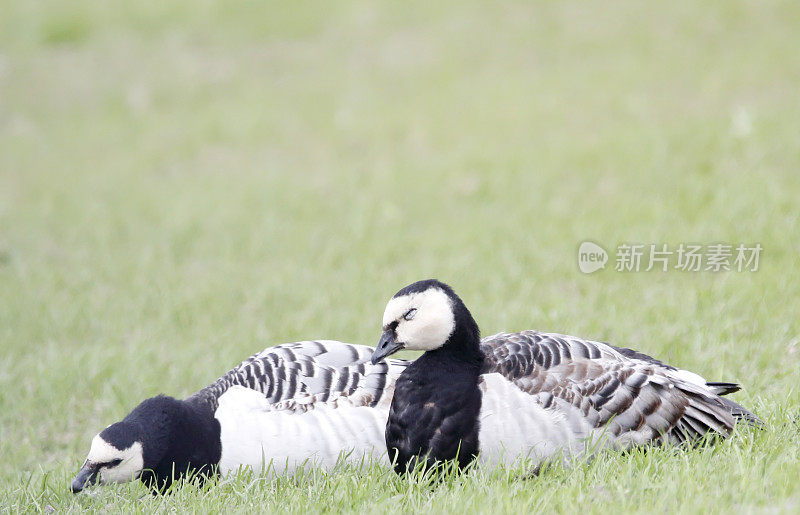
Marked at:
<point>311,372</point>
<point>634,398</point>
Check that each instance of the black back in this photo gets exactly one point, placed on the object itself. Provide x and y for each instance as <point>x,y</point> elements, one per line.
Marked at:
<point>436,405</point>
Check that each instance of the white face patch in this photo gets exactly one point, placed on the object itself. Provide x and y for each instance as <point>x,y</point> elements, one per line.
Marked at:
<point>429,326</point>
<point>106,455</point>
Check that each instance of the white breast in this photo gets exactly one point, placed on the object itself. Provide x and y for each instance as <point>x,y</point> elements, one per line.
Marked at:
<point>515,426</point>
<point>256,435</point>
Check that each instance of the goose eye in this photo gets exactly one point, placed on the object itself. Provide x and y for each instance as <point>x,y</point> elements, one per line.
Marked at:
<point>114,463</point>
<point>410,314</point>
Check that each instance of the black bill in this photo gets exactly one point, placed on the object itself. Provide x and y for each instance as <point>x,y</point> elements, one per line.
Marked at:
<point>387,346</point>
<point>87,476</point>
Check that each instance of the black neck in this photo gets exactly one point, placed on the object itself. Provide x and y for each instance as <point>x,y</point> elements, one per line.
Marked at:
<point>186,440</point>
<point>467,355</point>
<point>464,343</point>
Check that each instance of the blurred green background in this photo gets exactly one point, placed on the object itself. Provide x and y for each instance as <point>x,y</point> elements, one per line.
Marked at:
<point>184,183</point>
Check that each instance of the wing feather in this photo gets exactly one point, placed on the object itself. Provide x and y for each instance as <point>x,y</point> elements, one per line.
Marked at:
<point>309,372</point>
<point>635,397</point>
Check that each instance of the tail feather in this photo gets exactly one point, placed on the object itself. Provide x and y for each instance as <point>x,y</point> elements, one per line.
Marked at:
<point>722,388</point>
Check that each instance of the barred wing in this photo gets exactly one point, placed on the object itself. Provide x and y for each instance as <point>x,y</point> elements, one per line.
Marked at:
<point>633,397</point>
<point>314,371</point>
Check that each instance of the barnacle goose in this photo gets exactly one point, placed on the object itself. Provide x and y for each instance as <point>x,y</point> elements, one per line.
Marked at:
<point>308,402</point>
<point>530,395</point>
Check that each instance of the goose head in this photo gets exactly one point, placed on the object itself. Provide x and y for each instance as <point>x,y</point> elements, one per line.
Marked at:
<point>427,315</point>
<point>125,449</point>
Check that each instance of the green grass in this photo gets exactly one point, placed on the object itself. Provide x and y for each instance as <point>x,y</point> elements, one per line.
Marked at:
<point>185,183</point>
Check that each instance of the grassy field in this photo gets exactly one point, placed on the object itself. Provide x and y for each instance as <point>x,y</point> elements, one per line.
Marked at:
<point>184,183</point>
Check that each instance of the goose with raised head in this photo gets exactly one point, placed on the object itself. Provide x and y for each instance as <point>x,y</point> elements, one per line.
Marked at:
<point>530,395</point>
